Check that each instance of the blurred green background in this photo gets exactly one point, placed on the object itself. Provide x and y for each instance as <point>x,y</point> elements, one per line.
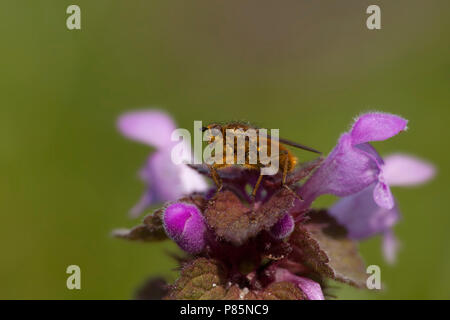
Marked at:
<point>307,67</point>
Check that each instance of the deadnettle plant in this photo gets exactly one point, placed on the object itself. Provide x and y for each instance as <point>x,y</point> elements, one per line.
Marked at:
<point>274,246</point>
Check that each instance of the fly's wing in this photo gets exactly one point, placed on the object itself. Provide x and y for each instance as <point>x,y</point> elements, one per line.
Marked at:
<point>296,145</point>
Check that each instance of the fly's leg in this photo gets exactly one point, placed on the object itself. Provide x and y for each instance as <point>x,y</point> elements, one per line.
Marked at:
<point>258,182</point>
<point>285,171</point>
<point>216,178</point>
<point>285,168</point>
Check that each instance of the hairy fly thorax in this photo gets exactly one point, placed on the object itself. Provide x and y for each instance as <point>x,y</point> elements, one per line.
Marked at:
<point>252,148</point>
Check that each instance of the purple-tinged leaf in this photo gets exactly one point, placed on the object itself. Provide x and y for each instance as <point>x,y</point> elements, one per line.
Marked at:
<point>283,290</point>
<point>327,250</point>
<point>151,230</point>
<point>152,289</point>
<point>233,221</point>
<point>199,280</point>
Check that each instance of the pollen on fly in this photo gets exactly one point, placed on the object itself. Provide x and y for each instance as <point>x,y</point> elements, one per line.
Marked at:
<point>252,148</point>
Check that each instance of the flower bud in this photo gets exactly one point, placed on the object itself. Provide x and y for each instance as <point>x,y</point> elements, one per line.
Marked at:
<point>283,228</point>
<point>185,225</point>
<point>310,288</point>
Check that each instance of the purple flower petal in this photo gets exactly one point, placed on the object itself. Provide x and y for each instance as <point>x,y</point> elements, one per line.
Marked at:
<point>283,228</point>
<point>376,127</point>
<point>345,171</point>
<point>166,181</point>
<point>382,194</point>
<point>309,287</point>
<point>185,225</point>
<point>372,211</point>
<point>362,216</point>
<point>144,202</point>
<point>390,247</point>
<point>170,181</point>
<point>405,170</point>
<point>151,127</point>
<point>353,164</point>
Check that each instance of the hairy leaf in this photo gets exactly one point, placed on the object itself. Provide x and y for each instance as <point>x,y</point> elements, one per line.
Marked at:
<point>326,249</point>
<point>282,291</point>
<point>233,293</point>
<point>204,278</point>
<point>276,250</point>
<point>152,229</point>
<point>152,289</point>
<point>199,279</point>
<point>235,222</point>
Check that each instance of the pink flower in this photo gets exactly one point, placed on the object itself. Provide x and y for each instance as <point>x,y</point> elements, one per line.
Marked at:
<point>354,164</point>
<point>185,225</point>
<point>165,180</point>
<point>362,215</point>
